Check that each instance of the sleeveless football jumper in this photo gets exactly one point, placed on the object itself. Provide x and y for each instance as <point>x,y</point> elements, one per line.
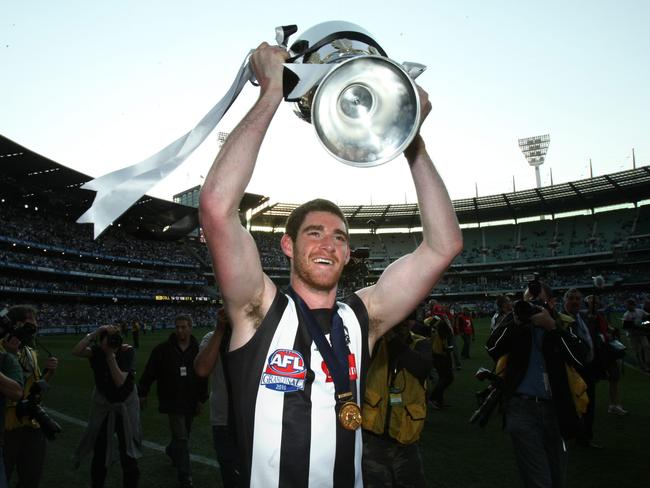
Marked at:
<point>283,400</point>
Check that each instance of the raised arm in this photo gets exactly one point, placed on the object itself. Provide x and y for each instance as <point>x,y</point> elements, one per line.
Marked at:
<point>407,281</point>
<point>247,292</point>
<point>208,355</point>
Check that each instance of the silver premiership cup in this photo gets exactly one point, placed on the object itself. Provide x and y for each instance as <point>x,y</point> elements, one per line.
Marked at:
<point>364,106</point>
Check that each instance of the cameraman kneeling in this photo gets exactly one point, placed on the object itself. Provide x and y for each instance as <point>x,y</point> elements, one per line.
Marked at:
<point>539,409</point>
<point>27,425</point>
<point>114,408</point>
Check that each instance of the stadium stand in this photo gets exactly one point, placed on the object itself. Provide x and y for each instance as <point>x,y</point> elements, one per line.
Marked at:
<point>151,264</point>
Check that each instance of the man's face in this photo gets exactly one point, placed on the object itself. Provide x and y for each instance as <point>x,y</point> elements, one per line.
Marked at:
<point>572,303</point>
<point>183,330</point>
<point>320,252</point>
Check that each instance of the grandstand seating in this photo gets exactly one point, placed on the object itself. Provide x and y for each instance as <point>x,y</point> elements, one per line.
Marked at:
<point>47,259</point>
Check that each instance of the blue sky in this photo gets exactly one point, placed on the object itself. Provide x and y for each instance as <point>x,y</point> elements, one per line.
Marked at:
<point>98,86</point>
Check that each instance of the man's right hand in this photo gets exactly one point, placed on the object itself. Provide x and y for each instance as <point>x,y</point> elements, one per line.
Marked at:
<point>267,62</point>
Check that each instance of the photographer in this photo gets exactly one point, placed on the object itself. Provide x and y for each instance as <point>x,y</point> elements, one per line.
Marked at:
<point>27,425</point>
<point>538,405</point>
<point>114,407</point>
<point>394,409</point>
<point>11,387</point>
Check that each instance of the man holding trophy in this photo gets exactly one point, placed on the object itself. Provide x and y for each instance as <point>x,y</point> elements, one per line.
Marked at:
<point>298,358</point>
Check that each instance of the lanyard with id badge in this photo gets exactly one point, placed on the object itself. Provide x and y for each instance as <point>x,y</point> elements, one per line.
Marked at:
<point>395,390</point>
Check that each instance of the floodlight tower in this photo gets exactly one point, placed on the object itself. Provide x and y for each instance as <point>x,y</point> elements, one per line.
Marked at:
<point>534,149</point>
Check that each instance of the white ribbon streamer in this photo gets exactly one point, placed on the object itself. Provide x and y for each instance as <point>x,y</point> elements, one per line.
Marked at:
<point>119,190</point>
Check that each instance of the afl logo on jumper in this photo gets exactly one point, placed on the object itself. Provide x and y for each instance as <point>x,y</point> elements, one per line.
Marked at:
<point>285,371</point>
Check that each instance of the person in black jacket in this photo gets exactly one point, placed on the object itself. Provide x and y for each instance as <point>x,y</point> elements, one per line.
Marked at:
<point>180,391</point>
<point>539,409</point>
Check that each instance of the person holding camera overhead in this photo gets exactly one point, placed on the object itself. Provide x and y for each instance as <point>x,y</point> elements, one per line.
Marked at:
<point>27,425</point>
<point>539,409</point>
<point>114,407</point>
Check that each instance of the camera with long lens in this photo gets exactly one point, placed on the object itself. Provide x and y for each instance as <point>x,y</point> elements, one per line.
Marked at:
<point>488,398</point>
<point>31,408</point>
<point>523,310</point>
<point>24,333</point>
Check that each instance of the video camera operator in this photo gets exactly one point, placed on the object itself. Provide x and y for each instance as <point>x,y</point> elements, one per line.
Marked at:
<point>115,407</point>
<point>11,386</point>
<point>537,401</point>
<point>27,424</point>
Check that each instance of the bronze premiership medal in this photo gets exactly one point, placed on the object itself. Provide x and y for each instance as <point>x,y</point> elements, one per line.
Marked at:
<point>349,412</point>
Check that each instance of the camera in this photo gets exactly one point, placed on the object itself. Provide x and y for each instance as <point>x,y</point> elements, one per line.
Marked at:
<point>533,284</point>
<point>525,310</point>
<point>114,341</point>
<point>488,398</point>
<point>31,407</point>
<point>25,333</point>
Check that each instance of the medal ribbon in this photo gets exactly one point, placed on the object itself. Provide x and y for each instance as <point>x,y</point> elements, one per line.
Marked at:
<point>336,355</point>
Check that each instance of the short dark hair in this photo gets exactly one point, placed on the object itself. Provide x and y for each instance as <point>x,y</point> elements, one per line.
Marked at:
<point>20,313</point>
<point>501,301</point>
<point>184,317</point>
<point>297,216</point>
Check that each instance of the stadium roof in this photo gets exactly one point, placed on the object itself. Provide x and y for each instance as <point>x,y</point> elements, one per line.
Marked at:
<point>629,186</point>
<point>38,181</point>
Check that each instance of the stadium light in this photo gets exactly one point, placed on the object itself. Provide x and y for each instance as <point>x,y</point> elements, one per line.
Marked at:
<point>534,149</point>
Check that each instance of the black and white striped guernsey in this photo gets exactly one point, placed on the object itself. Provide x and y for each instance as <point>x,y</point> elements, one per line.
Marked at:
<point>284,405</point>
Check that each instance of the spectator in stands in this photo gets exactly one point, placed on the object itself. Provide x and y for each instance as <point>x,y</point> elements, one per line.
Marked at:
<point>25,443</point>
<point>317,244</point>
<point>504,307</point>
<point>114,408</point>
<point>210,362</point>
<point>394,409</point>
<point>539,409</point>
<point>180,391</point>
<point>632,320</point>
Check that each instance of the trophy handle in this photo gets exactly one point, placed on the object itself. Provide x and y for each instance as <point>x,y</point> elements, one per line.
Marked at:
<point>283,32</point>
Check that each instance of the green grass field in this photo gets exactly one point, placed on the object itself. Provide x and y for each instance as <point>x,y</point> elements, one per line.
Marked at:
<point>455,453</point>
